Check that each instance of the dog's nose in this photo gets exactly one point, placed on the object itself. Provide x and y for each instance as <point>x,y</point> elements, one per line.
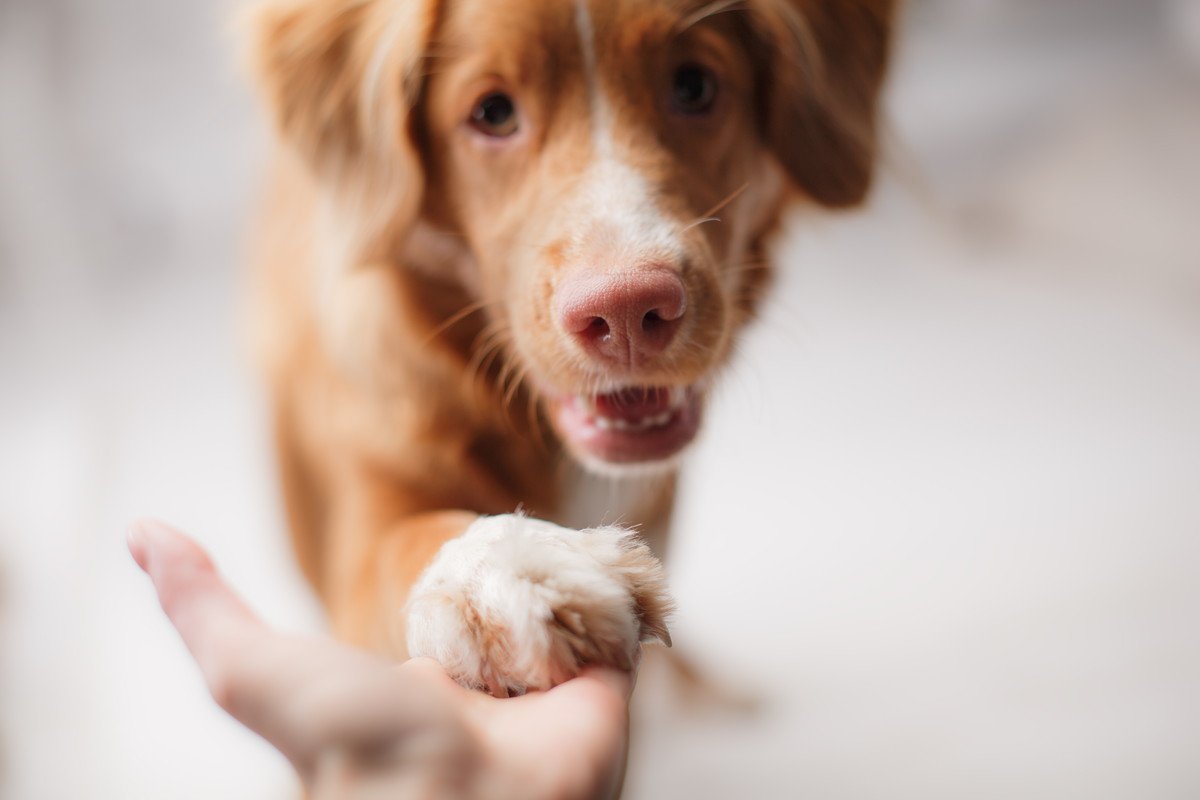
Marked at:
<point>624,317</point>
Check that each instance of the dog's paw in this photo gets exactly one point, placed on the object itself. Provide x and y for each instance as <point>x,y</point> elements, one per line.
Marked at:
<point>517,604</point>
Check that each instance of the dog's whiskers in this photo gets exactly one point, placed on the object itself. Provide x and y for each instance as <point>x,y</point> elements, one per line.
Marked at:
<point>706,12</point>
<point>699,222</point>
<point>492,346</point>
<point>711,214</point>
<point>734,195</point>
<point>456,318</point>
<point>486,347</point>
<point>518,373</point>
<point>506,384</point>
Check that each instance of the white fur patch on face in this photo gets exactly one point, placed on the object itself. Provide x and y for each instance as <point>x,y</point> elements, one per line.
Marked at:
<point>621,225</point>
<point>516,604</point>
<point>587,43</point>
<point>616,204</point>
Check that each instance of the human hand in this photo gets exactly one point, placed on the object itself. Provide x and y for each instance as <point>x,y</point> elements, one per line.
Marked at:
<point>357,726</point>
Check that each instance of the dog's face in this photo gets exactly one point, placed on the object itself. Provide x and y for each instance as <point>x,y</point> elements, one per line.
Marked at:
<point>612,167</point>
<point>586,156</point>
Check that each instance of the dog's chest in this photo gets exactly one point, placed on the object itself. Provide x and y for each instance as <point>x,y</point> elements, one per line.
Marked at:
<point>641,501</point>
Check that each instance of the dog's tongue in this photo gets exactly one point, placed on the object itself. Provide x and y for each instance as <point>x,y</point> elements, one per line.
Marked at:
<point>633,404</point>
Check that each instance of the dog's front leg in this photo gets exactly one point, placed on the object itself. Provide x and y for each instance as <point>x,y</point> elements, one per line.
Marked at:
<point>505,603</point>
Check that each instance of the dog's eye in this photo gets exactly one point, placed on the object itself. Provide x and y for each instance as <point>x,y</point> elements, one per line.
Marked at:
<point>694,89</point>
<point>495,115</point>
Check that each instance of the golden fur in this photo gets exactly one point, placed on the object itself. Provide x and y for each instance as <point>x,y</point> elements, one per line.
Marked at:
<point>405,273</point>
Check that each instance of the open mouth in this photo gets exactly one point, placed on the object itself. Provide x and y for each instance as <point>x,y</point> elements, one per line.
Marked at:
<point>629,426</point>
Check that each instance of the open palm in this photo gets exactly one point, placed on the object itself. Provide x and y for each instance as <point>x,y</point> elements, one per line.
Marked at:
<point>357,726</point>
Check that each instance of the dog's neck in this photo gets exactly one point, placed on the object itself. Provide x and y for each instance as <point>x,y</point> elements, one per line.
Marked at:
<point>589,499</point>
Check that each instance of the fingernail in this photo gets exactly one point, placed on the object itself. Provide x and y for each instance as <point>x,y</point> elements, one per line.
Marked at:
<point>139,537</point>
<point>135,540</point>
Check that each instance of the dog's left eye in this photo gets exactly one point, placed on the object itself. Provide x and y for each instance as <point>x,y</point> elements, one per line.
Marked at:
<point>495,115</point>
<point>693,89</point>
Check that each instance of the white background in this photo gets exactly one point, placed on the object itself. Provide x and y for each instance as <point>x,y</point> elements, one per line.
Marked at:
<point>944,523</point>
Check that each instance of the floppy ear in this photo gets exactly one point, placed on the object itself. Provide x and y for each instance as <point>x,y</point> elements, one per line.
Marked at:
<point>341,78</point>
<point>826,68</point>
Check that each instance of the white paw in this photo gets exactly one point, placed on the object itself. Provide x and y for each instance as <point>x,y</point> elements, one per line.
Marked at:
<point>517,604</point>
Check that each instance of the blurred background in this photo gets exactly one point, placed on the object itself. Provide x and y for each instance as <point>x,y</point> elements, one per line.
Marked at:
<point>945,521</point>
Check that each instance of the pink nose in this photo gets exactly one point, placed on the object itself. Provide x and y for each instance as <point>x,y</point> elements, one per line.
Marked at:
<point>625,318</point>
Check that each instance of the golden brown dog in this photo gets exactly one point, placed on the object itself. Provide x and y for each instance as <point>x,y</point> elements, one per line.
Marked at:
<point>508,244</point>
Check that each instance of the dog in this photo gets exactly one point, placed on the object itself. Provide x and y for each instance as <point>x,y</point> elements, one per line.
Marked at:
<point>507,246</point>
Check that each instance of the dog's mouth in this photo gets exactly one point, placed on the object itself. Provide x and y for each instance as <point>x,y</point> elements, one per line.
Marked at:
<point>635,425</point>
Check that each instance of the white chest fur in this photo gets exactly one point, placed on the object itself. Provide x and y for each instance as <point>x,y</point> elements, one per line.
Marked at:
<point>630,498</point>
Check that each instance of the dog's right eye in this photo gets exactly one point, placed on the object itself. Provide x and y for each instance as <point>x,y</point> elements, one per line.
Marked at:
<point>495,115</point>
<point>694,90</point>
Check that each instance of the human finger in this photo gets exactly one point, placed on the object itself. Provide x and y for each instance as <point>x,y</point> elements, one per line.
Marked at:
<point>251,672</point>
<point>302,695</point>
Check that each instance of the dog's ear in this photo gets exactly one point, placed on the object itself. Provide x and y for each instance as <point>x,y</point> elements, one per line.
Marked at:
<point>341,78</point>
<point>821,84</point>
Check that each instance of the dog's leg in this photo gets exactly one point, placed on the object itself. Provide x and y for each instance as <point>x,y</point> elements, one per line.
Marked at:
<point>302,500</point>
<point>504,603</point>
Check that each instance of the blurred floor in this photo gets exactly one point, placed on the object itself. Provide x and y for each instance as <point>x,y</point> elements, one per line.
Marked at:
<point>944,520</point>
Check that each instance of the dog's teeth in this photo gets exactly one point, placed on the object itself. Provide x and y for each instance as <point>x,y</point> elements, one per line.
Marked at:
<point>625,425</point>
<point>633,425</point>
<point>678,395</point>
